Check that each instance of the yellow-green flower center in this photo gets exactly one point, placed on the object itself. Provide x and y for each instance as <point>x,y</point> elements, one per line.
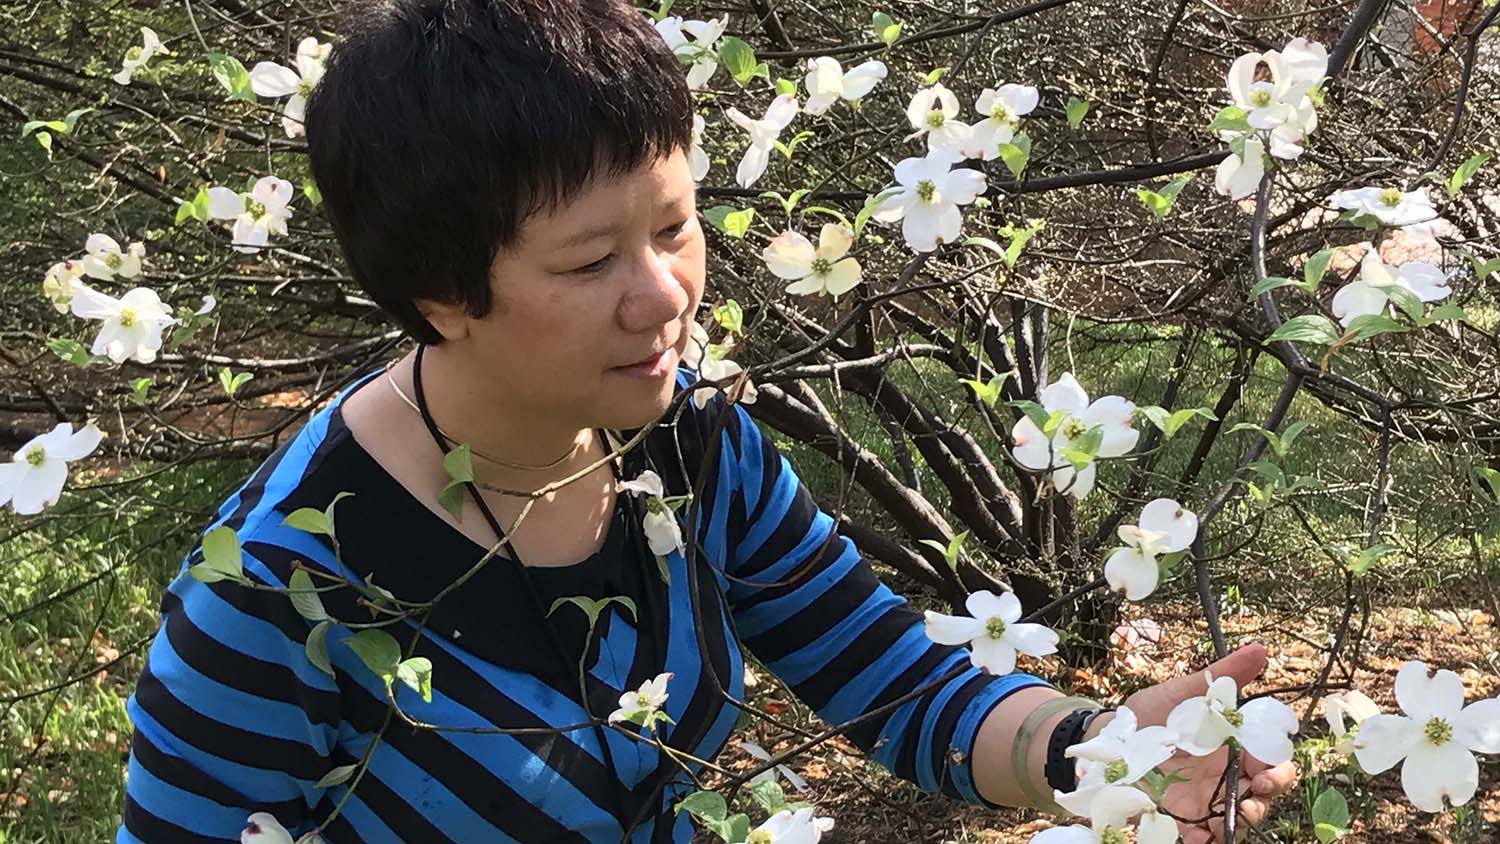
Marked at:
<point>1390,197</point>
<point>133,54</point>
<point>1111,836</point>
<point>256,209</point>
<point>1116,770</point>
<point>113,260</point>
<point>36,456</point>
<point>656,505</point>
<point>1000,114</point>
<point>995,627</point>
<point>127,316</point>
<point>1074,428</point>
<point>642,701</point>
<point>759,836</point>
<point>935,119</point>
<point>1261,98</point>
<point>821,266</point>
<point>1234,717</point>
<point>303,88</point>
<point>926,190</point>
<point>1438,731</point>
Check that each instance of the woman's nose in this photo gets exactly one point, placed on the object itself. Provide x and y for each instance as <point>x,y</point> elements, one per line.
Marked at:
<point>656,296</point>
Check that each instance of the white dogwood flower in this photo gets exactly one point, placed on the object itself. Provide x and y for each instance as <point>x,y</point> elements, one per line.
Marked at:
<point>763,135</point>
<point>1120,755</point>
<point>993,630</point>
<point>827,82</point>
<point>638,706</point>
<point>713,366</point>
<point>1368,294</point>
<point>132,326</point>
<point>1239,175</point>
<point>1389,205</point>
<point>269,79</point>
<point>933,112</point>
<point>1002,110</point>
<point>824,269</point>
<point>1344,713</point>
<point>34,477</point>
<point>1111,809</point>
<point>137,56</point>
<point>257,215</point>
<point>928,199</point>
<point>1437,737</point>
<point>1076,416</point>
<point>790,827</point>
<point>663,533</point>
<point>263,828</point>
<point>693,43</point>
<point>697,158</point>
<point>1263,727</point>
<point>105,259</point>
<point>61,282</point>
<point>760,754</point>
<point>1164,527</point>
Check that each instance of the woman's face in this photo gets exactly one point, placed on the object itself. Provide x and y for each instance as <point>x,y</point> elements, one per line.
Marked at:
<point>593,303</point>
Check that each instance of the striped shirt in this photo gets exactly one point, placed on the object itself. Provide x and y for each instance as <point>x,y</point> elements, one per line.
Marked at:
<point>231,717</point>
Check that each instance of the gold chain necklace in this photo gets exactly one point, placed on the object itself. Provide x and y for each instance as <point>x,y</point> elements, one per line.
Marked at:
<point>472,450</point>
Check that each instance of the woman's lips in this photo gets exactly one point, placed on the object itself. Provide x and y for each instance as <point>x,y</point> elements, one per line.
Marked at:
<point>655,366</point>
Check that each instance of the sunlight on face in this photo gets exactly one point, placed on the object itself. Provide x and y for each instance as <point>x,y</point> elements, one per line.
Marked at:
<point>594,301</point>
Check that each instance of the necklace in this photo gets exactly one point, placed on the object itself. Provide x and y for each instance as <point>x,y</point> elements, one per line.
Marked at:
<point>472,450</point>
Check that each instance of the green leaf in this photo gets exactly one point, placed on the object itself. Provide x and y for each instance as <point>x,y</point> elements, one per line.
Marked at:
<point>1019,237</point>
<point>70,120</point>
<point>32,125</point>
<point>1331,808</point>
<point>1230,119</point>
<point>1326,833</point>
<point>44,139</point>
<point>592,608</point>
<point>417,673</point>
<point>1308,328</point>
<point>661,10</point>
<point>1077,110</point>
<point>886,29</point>
<point>1404,300</point>
<point>232,382</point>
<point>989,393</point>
<point>309,519</point>
<point>738,58</point>
<point>769,795</point>
<point>1366,558</point>
<point>1290,435</point>
<point>1272,282</point>
<point>1170,423</point>
<point>1160,202</point>
<point>138,387</point>
<point>1016,154</point>
<point>1084,449</point>
<point>1035,412</point>
<point>305,597</point>
<point>184,213</point>
<point>378,650</point>
<point>1365,326</point>
<point>1482,269</point>
<point>1491,477</point>
<point>71,351</point>
<point>934,75</point>
<point>221,552</point>
<point>1316,267</point>
<point>703,805</point>
<point>1448,311</point>
<point>458,465</point>
<point>317,647</point>
<point>730,317</point>
<point>336,776</point>
<point>310,190</point>
<point>870,205</point>
<point>232,75</point>
<point>734,222</point>
<point>1465,172</point>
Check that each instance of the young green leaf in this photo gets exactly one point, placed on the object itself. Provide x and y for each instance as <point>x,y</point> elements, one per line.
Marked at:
<point>1308,328</point>
<point>1016,154</point>
<point>232,75</point>
<point>738,58</point>
<point>1465,172</point>
<point>378,650</point>
<point>305,596</point>
<point>317,647</point>
<point>221,557</point>
<point>1315,268</point>
<point>336,776</point>
<point>734,222</point>
<point>703,805</point>
<point>417,673</point>
<point>886,29</point>
<point>1077,110</point>
<point>1368,557</point>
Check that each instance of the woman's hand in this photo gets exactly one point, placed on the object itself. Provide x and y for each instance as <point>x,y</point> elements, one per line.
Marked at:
<point>1201,794</point>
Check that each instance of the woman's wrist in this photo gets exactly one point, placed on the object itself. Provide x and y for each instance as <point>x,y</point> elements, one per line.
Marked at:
<point>1011,748</point>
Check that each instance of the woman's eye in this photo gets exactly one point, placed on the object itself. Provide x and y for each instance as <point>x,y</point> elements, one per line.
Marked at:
<point>593,267</point>
<point>673,230</point>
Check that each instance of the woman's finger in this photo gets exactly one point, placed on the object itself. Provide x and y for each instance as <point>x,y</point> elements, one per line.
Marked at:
<point>1274,781</point>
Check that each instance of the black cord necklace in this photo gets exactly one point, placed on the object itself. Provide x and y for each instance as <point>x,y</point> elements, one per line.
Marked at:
<point>633,542</point>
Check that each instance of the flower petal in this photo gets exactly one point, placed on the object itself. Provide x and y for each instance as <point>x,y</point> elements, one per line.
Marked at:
<point>834,241</point>
<point>951,629</point>
<point>1432,773</point>
<point>1422,697</point>
<point>269,79</point>
<point>843,277</point>
<point>789,255</point>
<point>1128,570</point>
<point>1031,639</point>
<point>1065,394</point>
<point>1385,740</point>
<point>1477,727</point>
<point>1178,526</point>
<point>993,655</point>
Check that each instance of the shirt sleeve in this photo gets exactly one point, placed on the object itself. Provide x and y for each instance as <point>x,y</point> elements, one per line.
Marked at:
<point>810,607</point>
<point>229,716</point>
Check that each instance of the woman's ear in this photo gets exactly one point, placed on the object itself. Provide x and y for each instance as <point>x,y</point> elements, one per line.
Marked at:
<point>448,319</point>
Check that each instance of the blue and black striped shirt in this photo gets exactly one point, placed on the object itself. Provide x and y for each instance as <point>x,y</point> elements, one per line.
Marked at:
<point>230,716</point>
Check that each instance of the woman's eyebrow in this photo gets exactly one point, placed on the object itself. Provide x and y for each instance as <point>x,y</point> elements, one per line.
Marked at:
<point>590,233</point>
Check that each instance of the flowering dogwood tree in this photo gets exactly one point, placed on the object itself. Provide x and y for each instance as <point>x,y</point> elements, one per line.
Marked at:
<point>1025,328</point>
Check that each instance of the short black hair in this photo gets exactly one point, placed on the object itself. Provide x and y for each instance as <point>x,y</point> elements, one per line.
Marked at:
<point>439,126</point>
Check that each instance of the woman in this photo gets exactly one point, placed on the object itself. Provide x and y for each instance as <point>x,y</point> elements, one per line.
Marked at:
<point>508,179</point>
